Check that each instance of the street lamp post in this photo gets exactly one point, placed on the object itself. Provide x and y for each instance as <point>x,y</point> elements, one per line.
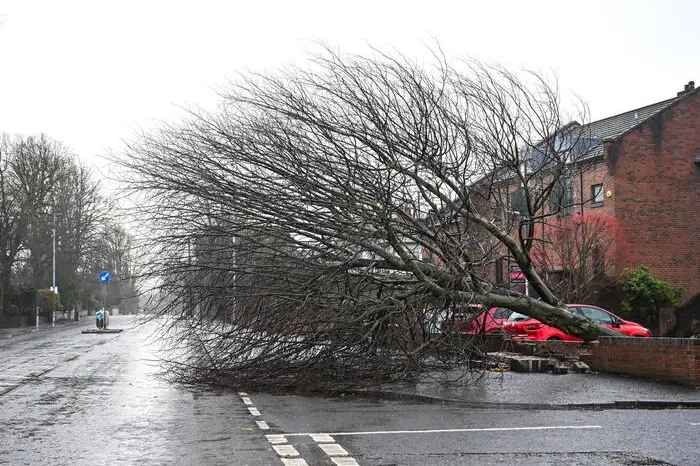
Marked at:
<point>53,265</point>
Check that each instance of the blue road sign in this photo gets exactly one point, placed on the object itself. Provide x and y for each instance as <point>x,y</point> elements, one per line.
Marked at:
<point>105,277</point>
<point>99,314</point>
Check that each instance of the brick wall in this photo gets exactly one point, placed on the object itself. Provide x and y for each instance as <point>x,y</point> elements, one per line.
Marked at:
<point>657,193</point>
<point>674,359</point>
<point>596,172</point>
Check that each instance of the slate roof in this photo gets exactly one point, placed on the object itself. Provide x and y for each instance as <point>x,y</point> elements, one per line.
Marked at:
<point>618,124</point>
<point>611,127</point>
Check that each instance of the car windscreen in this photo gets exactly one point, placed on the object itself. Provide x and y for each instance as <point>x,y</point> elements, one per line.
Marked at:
<point>502,313</point>
<point>516,316</point>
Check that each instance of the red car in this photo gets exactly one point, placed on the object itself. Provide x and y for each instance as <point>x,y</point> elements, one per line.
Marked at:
<point>476,320</point>
<point>527,328</point>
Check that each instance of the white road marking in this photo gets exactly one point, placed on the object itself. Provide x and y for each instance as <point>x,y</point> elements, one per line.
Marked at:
<point>333,449</point>
<point>262,424</point>
<point>294,462</point>
<point>276,439</point>
<point>345,461</point>
<point>285,450</point>
<point>322,438</point>
<point>695,423</point>
<point>437,431</point>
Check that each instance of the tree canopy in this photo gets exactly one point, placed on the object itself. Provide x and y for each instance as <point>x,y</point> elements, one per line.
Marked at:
<point>308,227</point>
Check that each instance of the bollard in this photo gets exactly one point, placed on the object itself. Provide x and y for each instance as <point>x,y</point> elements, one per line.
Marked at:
<point>100,320</point>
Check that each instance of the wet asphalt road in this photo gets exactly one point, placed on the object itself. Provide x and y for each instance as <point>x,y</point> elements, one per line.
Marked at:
<point>79,399</point>
<point>385,432</point>
<point>72,399</point>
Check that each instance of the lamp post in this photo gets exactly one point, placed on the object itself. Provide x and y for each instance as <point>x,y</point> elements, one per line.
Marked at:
<point>53,264</point>
<point>53,236</point>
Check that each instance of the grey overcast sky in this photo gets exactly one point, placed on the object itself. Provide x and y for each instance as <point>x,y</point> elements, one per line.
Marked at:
<point>88,72</point>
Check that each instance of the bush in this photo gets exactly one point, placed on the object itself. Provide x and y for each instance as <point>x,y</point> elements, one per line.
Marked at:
<point>12,311</point>
<point>645,295</point>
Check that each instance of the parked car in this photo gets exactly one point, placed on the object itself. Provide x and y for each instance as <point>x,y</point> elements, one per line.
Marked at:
<point>459,319</point>
<point>527,328</point>
<point>477,320</point>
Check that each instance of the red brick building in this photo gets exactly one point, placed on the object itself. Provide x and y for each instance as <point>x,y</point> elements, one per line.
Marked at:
<point>646,174</point>
<point>643,169</point>
<point>652,173</point>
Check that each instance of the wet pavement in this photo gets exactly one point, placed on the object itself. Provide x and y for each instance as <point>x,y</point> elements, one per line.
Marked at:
<point>545,390</point>
<point>84,399</point>
<point>68,398</point>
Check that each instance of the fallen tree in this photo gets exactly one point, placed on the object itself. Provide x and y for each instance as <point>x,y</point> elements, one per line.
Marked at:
<point>304,229</point>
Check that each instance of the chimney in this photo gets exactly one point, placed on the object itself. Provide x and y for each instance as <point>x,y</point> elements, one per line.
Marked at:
<point>687,88</point>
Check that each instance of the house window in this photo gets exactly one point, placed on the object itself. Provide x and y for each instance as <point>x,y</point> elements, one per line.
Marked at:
<point>518,201</point>
<point>562,196</point>
<point>597,195</point>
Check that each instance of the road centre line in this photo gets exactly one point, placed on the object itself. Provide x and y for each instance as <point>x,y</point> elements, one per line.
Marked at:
<point>695,423</point>
<point>438,431</point>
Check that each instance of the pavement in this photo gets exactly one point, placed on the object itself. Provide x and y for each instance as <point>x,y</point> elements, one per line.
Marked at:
<point>512,390</point>
<point>43,327</point>
<point>538,390</point>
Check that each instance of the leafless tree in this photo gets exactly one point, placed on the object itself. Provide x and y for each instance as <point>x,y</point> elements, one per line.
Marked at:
<point>11,219</point>
<point>306,228</point>
<point>44,188</point>
<point>82,217</point>
<point>584,250</point>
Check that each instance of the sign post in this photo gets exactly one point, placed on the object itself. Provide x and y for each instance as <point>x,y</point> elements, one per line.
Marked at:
<point>103,316</point>
<point>517,276</point>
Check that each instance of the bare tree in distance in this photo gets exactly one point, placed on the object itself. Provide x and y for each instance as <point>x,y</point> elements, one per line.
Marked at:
<point>307,228</point>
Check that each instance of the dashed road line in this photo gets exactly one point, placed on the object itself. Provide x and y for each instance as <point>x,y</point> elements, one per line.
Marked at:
<point>263,425</point>
<point>322,438</point>
<point>276,439</point>
<point>286,450</point>
<point>345,461</point>
<point>294,462</point>
<point>333,449</point>
<point>288,454</point>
